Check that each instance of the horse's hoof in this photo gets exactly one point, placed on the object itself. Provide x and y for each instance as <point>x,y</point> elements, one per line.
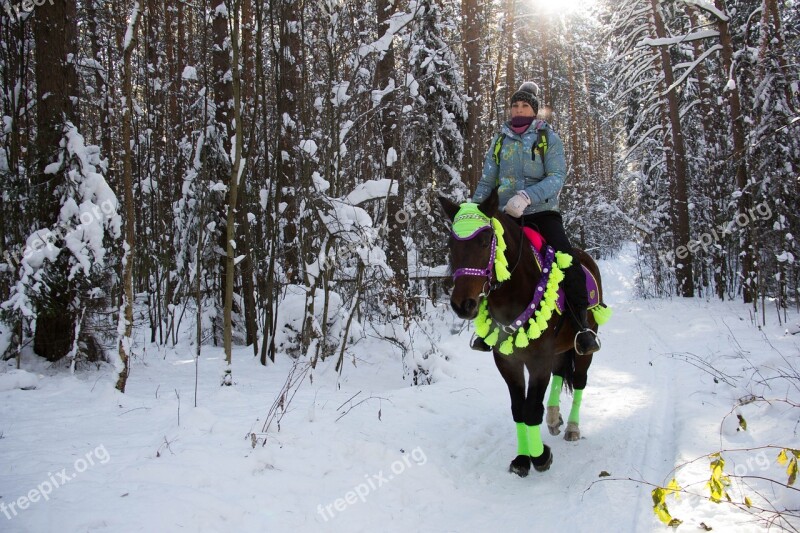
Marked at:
<point>573,432</point>
<point>521,465</point>
<point>543,462</point>
<point>554,420</point>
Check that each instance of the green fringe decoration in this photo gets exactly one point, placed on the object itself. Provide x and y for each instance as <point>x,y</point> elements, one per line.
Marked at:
<point>551,292</point>
<point>491,340</point>
<point>534,331</point>
<point>563,260</point>
<point>482,322</point>
<point>601,313</point>
<point>500,261</point>
<point>507,346</point>
<point>522,339</point>
<point>538,324</point>
<point>541,323</point>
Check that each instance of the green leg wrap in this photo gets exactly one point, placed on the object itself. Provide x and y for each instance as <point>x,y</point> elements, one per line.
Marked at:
<point>555,391</point>
<point>575,412</point>
<point>535,444</point>
<point>522,439</point>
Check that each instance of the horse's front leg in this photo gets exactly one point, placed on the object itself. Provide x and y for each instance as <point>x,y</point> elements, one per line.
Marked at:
<point>513,372</point>
<point>538,379</point>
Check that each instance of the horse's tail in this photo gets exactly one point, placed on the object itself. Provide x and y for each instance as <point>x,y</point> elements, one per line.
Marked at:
<point>568,369</point>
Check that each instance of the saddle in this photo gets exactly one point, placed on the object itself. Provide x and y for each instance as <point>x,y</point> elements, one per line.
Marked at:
<point>538,243</point>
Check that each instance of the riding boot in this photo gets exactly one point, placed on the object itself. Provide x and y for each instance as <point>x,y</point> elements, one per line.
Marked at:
<point>478,344</point>
<point>586,341</point>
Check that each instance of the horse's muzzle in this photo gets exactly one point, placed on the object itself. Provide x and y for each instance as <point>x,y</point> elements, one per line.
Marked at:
<point>466,309</point>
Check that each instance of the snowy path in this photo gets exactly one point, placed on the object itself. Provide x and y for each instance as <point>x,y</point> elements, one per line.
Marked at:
<point>435,459</point>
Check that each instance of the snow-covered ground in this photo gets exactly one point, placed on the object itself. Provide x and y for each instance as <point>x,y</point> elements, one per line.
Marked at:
<point>366,451</point>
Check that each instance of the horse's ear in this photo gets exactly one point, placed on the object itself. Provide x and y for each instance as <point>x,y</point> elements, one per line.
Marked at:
<point>450,208</point>
<point>489,206</point>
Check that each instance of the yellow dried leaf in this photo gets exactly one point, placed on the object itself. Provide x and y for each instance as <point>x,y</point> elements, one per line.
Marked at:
<point>673,488</point>
<point>782,459</point>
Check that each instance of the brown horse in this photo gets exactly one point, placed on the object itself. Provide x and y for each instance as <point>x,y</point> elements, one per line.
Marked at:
<point>552,352</point>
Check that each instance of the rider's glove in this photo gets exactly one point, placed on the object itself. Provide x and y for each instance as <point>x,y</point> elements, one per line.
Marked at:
<point>517,204</point>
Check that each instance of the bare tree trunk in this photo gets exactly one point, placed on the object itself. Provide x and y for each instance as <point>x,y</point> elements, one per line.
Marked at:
<point>55,35</point>
<point>574,157</point>
<point>101,87</point>
<point>126,340</point>
<point>236,171</point>
<point>385,72</point>
<point>474,148</point>
<point>739,153</point>
<point>511,8</point>
<point>266,280</point>
<point>709,125</point>
<point>683,273</point>
<point>288,82</point>
<point>545,86</point>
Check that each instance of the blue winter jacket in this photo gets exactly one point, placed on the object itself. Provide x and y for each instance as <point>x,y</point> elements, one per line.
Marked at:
<point>518,171</point>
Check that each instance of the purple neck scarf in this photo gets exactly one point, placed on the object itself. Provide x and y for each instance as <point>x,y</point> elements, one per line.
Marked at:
<point>520,124</point>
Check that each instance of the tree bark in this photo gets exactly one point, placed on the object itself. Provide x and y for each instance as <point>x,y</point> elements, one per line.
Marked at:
<point>288,82</point>
<point>683,271</point>
<point>739,152</point>
<point>236,171</point>
<point>385,73</point>
<point>126,340</point>
<point>511,84</point>
<point>474,148</point>
<point>55,36</point>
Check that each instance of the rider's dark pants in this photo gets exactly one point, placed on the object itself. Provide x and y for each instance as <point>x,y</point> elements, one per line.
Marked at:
<point>551,226</point>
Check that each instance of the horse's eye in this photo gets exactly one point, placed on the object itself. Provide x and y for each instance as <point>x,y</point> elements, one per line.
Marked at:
<point>485,239</point>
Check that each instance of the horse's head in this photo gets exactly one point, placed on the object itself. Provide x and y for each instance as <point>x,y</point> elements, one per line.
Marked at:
<point>472,252</point>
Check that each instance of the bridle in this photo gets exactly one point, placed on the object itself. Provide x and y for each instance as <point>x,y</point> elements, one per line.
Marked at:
<point>490,284</point>
<point>480,272</point>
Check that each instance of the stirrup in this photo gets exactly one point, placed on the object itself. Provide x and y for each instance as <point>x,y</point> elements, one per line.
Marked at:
<point>479,345</point>
<point>596,338</point>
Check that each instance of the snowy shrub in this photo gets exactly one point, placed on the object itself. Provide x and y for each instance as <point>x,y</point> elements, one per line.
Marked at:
<point>66,270</point>
<point>293,311</point>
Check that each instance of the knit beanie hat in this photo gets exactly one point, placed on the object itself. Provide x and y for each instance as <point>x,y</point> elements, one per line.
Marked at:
<point>527,93</point>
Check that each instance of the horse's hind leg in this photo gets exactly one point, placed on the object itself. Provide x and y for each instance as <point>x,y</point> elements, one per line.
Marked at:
<point>553,417</point>
<point>513,372</point>
<point>582,364</point>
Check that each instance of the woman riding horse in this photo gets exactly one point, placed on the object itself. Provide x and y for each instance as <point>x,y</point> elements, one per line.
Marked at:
<point>505,285</point>
<point>526,161</point>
